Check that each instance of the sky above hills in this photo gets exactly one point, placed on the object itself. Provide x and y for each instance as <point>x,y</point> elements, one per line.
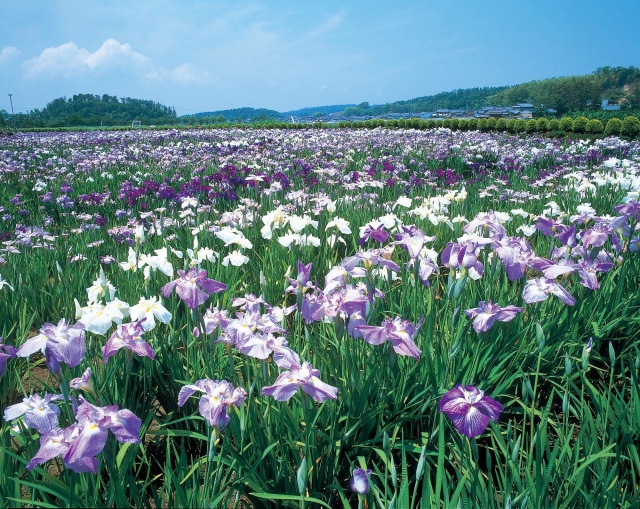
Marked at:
<point>205,55</point>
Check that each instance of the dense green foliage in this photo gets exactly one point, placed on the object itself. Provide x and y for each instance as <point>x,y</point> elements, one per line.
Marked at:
<point>576,93</point>
<point>241,114</point>
<point>95,110</point>
<point>315,110</point>
<point>565,373</point>
<point>464,99</point>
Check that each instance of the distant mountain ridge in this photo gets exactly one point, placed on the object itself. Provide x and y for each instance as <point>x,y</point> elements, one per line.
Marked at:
<point>621,85</point>
<point>265,114</point>
<point>617,86</point>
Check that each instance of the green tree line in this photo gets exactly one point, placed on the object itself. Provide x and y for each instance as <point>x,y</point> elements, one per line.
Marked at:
<point>620,85</point>
<point>94,110</point>
<point>464,99</point>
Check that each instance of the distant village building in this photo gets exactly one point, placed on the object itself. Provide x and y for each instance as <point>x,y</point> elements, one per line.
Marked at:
<point>609,107</point>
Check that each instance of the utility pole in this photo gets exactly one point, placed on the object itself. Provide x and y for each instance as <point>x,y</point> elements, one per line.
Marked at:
<point>11,101</point>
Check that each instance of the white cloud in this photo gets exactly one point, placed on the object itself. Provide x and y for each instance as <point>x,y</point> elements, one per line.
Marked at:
<point>8,53</point>
<point>114,53</point>
<point>70,60</point>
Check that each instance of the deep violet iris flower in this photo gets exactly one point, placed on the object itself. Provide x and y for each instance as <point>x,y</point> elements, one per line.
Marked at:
<point>193,287</point>
<point>6,352</point>
<point>469,409</point>
<point>487,313</point>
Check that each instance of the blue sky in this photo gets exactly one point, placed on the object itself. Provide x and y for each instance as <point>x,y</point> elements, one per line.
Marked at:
<point>284,54</point>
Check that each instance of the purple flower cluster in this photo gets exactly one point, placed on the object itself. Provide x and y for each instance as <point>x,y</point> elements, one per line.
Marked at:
<point>80,443</point>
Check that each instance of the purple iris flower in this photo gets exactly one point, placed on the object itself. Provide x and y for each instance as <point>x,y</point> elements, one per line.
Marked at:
<point>129,336</point>
<point>486,314</point>
<point>426,268</point>
<point>547,226</point>
<point>39,413</point>
<point>60,343</point>
<point>218,395</point>
<point>312,309</point>
<point>52,444</point>
<point>6,352</point>
<point>301,284</point>
<point>124,424</point>
<point>85,442</point>
<point>469,409</point>
<point>249,303</point>
<point>598,235</point>
<point>82,383</point>
<point>214,318</point>
<point>369,258</point>
<point>80,443</point>
<point>552,269</point>
<point>375,232</point>
<point>631,210</point>
<point>193,287</point>
<point>487,223</point>
<point>305,377</point>
<point>567,235</point>
<point>514,253</point>
<point>588,270</point>
<point>412,239</point>
<point>345,302</point>
<point>400,332</point>
<point>360,481</point>
<point>261,346</point>
<point>463,254</point>
<point>539,289</point>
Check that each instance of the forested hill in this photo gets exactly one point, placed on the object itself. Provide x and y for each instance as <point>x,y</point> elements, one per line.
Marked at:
<point>621,85</point>
<point>266,114</point>
<point>464,99</point>
<point>239,114</point>
<point>317,110</point>
<point>89,109</point>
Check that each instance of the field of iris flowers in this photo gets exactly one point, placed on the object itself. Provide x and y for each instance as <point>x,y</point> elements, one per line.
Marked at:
<point>319,318</point>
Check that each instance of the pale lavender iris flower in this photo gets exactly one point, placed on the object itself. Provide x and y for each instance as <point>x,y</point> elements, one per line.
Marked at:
<point>487,313</point>
<point>61,343</point>
<point>359,482</point>
<point>193,287</point>
<point>218,395</point>
<point>469,409</point>
<point>39,413</point>
<point>80,443</point>
<point>305,377</point>
<point>399,332</point>
<point>82,383</point>
<point>129,336</point>
<point>539,289</point>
